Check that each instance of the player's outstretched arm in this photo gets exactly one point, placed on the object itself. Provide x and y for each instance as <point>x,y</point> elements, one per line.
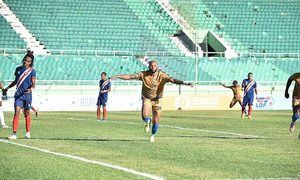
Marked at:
<point>1,86</point>
<point>177,81</point>
<point>224,85</point>
<point>288,84</point>
<point>124,76</point>
<point>12,84</point>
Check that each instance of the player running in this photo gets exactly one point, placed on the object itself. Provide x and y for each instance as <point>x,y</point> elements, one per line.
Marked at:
<point>237,93</point>
<point>249,86</point>
<point>296,98</point>
<point>152,91</point>
<point>105,87</point>
<point>3,125</point>
<point>25,83</point>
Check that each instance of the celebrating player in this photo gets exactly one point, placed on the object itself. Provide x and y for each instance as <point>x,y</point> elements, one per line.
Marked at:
<point>3,125</point>
<point>250,87</point>
<point>25,83</point>
<point>237,93</point>
<point>296,98</point>
<point>152,91</point>
<point>105,87</point>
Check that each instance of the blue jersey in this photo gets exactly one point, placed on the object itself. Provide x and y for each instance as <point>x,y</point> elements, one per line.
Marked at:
<point>23,77</point>
<point>249,86</point>
<point>104,85</point>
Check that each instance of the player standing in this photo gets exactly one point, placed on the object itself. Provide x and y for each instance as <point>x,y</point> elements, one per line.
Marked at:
<point>249,86</point>
<point>3,125</point>
<point>25,83</point>
<point>237,93</point>
<point>152,90</point>
<point>296,98</point>
<point>105,87</point>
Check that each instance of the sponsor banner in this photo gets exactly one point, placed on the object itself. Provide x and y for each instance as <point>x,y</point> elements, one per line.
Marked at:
<point>79,102</point>
<point>119,102</point>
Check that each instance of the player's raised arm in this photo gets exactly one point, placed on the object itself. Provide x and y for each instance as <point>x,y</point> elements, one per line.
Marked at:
<point>125,76</point>
<point>224,85</point>
<point>288,84</point>
<point>177,81</point>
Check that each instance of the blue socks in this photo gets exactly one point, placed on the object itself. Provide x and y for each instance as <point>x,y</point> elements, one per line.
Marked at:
<point>154,128</point>
<point>295,117</point>
<point>146,119</point>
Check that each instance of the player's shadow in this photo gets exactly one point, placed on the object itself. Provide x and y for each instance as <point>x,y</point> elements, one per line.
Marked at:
<point>215,137</point>
<point>86,139</point>
<point>80,139</point>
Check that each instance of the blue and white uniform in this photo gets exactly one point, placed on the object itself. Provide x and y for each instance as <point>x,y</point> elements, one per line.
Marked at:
<point>249,87</point>
<point>102,98</point>
<point>23,77</point>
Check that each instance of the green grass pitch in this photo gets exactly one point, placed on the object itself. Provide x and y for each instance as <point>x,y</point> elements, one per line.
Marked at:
<point>189,145</point>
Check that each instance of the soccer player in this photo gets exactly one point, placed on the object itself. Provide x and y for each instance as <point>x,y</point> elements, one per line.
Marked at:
<point>24,81</point>
<point>34,110</point>
<point>152,90</point>
<point>296,98</point>
<point>249,86</point>
<point>3,125</point>
<point>105,87</point>
<point>237,93</point>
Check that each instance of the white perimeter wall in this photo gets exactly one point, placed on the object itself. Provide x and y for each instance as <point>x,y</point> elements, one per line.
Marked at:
<point>127,98</point>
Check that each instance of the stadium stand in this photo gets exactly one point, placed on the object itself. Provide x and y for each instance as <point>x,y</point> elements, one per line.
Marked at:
<point>72,67</point>
<point>255,26</point>
<point>135,27</point>
<point>9,38</point>
<point>101,25</point>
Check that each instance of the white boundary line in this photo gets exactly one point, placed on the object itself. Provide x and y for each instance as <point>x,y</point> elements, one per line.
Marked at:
<point>193,129</point>
<point>86,160</point>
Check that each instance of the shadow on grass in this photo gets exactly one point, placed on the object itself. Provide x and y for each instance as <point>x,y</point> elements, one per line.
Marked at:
<point>214,137</point>
<point>80,139</point>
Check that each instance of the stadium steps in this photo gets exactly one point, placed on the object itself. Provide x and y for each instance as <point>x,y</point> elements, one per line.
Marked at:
<point>257,26</point>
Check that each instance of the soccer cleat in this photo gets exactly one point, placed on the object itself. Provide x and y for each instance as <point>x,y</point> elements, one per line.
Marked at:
<point>104,120</point>
<point>152,138</point>
<point>292,126</point>
<point>36,114</point>
<point>98,120</point>
<point>147,127</point>
<point>5,126</point>
<point>242,116</point>
<point>27,135</point>
<point>12,137</point>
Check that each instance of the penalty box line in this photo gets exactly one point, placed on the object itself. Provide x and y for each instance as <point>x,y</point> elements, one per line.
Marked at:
<point>131,171</point>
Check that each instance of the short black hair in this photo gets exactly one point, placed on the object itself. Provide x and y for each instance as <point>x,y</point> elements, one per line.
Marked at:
<point>103,73</point>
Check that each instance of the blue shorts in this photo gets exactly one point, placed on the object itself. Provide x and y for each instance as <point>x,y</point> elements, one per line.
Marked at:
<point>248,100</point>
<point>101,102</point>
<point>23,103</point>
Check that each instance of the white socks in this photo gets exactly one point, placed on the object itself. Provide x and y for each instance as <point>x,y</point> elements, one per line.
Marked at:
<point>2,117</point>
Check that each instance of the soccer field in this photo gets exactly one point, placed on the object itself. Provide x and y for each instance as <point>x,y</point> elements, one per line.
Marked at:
<point>189,145</point>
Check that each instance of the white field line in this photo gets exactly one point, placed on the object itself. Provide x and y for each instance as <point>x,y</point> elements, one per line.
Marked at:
<point>194,129</point>
<point>131,171</point>
<point>184,128</point>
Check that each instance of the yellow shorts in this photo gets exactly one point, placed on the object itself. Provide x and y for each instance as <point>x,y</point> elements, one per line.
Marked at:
<point>296,102</point>
<point>235,100</point>
<point>153,103</point>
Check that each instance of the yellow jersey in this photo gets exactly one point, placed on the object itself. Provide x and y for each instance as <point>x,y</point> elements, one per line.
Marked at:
<point>296,93</point>
<point>237,91</point>
<point>153,83</point>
